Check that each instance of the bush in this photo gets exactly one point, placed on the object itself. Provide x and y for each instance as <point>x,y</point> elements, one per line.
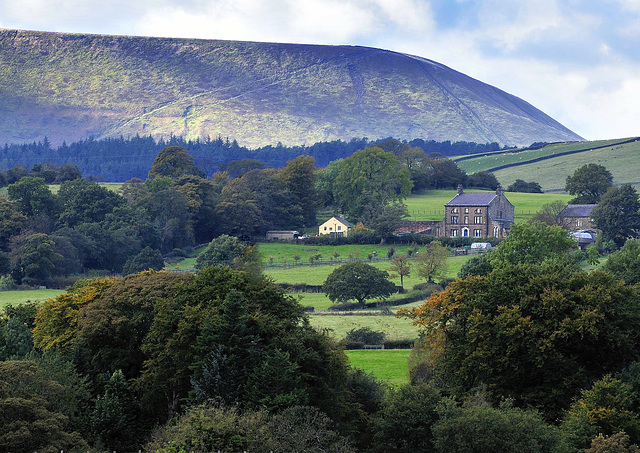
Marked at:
<point>364,335</point>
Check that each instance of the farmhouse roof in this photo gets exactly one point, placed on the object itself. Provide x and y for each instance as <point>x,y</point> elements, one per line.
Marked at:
<point>472,199</point>
<point>577,210</point>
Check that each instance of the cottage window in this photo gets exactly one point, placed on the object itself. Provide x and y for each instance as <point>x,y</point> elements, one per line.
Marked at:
<point>325,228</point>
<point>339,227</point>
<point>496,231</point>
<point>466,210</point>
<point>478,210</point>
<point>465,232</point>
<point>477,233</point>
<point>478,219</point>
<point>466,220</point>
<point>454,219</point>
<point>454,233</point>
<point>454,210</point>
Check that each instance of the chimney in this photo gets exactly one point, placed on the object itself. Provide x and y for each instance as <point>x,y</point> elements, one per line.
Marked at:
<point>499,190</point>
<point>460,189</point>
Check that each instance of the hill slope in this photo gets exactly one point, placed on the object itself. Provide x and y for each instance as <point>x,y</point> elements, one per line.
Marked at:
<point>549,166</point>
<point>72,86</point>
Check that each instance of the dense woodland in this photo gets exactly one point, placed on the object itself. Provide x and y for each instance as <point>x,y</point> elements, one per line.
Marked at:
<point>526,351</point>
<point>83,227</point>
<point>120,159</point>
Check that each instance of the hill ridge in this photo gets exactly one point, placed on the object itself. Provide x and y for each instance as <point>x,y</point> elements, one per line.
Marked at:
<point>69,87</point>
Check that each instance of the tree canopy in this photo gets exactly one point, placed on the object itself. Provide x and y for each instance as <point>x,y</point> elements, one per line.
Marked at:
<point>618,214</point>
<point>535,333</point>
<point>589,183</point>
<point>357,281</point>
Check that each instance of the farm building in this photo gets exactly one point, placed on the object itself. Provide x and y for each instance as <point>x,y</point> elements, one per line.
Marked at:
<point>335,226</point>
<point>479,215</point>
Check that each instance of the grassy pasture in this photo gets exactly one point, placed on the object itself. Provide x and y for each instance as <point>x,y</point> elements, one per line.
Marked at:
<point>316,275</point>
<point>621,160</point>
<point>339,325</point>
<point>388,365</point>
<point>22,296</point>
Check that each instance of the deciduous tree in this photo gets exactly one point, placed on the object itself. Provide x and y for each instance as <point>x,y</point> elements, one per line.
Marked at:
<point>589,183</point>
<point>617,215</point>
<point>357,281</point>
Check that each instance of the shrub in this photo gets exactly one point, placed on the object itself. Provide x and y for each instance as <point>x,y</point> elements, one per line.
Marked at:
<point>365,335</point>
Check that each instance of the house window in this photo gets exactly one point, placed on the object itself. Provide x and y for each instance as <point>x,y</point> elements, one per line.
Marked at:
<point>466,220</point>
<point>454,219</point>
<point>454,210</point>
<point>496,231</point>
<point>466,210</point>
<point>478,210</point>
<point>477,219</point>
<point>465,232</point>
<point>339,227</point>
<point>477,233</point>
<point>325,228</point>
<point>454,233</point>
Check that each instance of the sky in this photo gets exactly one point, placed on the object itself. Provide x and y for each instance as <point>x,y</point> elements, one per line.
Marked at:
<point>576,60</point>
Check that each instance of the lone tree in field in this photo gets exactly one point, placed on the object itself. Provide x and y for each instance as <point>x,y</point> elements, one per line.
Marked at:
<point>589,183</point>
<point>357,281</point>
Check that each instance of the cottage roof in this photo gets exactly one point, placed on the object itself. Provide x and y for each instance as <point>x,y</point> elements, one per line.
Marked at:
<point>340,219</point>
<point>577,210</point>
<point>472,199</point>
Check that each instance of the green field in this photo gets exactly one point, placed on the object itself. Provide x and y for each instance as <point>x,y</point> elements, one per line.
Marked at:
<point>316,275</point>
<point>20,297</point>
<point>388,365</point>
<point>395,328</point>
<point>621,160</point>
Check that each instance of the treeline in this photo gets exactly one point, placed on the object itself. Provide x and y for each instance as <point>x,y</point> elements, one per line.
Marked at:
<point>120,159</point>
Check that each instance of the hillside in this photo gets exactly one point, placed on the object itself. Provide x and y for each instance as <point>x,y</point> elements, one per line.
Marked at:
<point>549,166</point>
<point>68,87</point>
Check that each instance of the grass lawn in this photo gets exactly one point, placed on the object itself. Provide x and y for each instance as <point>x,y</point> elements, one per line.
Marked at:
<point>394,328</point>
<point>316,275</point>
<point>33,295</point>
<point>389,365</point>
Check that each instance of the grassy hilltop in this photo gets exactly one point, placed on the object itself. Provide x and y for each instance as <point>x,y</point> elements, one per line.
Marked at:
<point>72,86</point>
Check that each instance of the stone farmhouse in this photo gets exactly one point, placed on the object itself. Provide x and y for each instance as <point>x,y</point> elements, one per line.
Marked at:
<point>480,215</point>
<point>577,217</point>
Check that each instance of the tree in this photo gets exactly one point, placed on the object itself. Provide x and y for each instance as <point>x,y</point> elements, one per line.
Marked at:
<point>617,214</point>
<point>405,421</point>
<point>589,183</point>
<point>173,162</point>
<point>33,197</point>
<point>432,262</point>
<point>476,265</point>
<point>222,251</point>
<point>29,420</point>
<point>481,428</point>
<point>300,177</point>
<point>357,281</point>
<point>625,263</point>
<point>484,180</point>
<point>12,222</point>
<point>401,266</point>
<point>522,186</point>
<point>370,179</point>
<point>83,201</point>
<point>606,408</point>
<point>537,333</point>
<point>148,258</point>
<point>532,243</point>
<point>549,214</point>
<point>36,259</point>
